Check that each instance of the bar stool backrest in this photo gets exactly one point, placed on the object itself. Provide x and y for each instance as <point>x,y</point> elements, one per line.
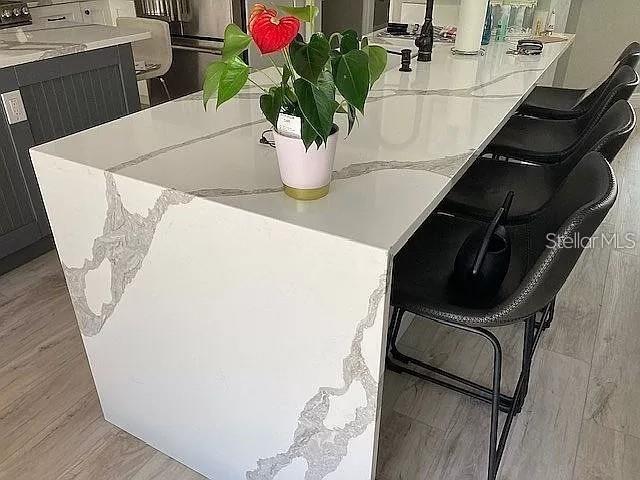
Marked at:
<point>155,50</point>
<point>608,135</point>
<point>630,57</point>
<point>620,86</point>
<point>561,231</point>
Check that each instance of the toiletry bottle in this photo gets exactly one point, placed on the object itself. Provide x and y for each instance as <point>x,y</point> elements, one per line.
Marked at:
<point>551,23</point>
<point>503,24</point>
<point>488,21</point>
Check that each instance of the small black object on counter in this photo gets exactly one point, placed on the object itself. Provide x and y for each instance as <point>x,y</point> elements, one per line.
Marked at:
<point>406,60</point>
<point>398,28</point>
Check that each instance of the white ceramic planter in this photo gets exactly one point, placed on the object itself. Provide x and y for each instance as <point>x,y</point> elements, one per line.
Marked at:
<point>306,175</point>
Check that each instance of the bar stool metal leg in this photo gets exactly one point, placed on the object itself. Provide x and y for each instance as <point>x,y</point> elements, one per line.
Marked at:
<point>494,459</point>
<point>498,401</point>
<point>527,358</point>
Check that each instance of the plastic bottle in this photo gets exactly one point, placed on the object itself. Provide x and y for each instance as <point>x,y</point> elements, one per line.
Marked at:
<point>488,24</point>
<point>551,23</point>
<point>503,24</point>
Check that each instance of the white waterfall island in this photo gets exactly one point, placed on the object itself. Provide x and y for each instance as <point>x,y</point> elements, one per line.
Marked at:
<point>233,328</point>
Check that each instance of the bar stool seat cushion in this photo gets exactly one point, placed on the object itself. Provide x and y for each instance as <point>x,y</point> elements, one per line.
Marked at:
<point>424,267</point>
<point>481,191</point>
<point>554,103</point>
<point>536,140</point>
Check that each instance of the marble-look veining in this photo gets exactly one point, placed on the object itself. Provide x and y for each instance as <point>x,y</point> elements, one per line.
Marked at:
<point>35,42</point>
<point>127,236</point>
<point>47,50</point>
<point>226,306</point>
<point>446,166</point>
<point>459,92</point>
<point>323,448</point>
<point>187,143</point>
<point>125,242</point>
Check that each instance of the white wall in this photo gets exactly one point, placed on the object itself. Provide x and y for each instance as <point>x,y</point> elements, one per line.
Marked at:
<point>445,12</point>
<point>603,29</point>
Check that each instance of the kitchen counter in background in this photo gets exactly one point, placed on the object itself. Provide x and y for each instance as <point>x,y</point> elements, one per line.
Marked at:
<point>39,41</point>
<point>228,325</point>
<point>55,79</point>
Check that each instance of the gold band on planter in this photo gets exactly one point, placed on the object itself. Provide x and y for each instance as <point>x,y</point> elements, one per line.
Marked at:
<point>306,194</point>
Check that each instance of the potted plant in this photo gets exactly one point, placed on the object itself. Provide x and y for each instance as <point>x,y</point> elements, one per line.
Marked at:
<point>315,80</point>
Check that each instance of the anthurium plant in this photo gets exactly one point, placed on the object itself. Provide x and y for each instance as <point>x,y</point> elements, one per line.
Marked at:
<point>316,79</point>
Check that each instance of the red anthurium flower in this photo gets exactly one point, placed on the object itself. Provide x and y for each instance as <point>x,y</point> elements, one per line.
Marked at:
<point>257,10</point>
<point>271,33</point>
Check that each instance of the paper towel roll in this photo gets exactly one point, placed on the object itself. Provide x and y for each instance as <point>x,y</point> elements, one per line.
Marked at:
<point>470,25</point>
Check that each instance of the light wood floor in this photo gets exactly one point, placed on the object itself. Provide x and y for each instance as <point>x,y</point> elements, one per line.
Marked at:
<point>581,420</point>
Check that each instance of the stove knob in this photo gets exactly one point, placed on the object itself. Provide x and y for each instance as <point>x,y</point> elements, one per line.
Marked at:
<point>25,11</point>
<point>6,13</point>
<point>17,12</point>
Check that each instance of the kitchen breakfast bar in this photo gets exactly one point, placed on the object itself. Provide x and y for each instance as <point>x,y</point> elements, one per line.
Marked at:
<point>233,328</point>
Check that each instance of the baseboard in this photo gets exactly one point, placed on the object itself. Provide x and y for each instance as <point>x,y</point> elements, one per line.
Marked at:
<point>33,251</point>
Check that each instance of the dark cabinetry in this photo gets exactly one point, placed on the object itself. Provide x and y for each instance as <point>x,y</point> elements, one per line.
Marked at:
<point>61,96</point>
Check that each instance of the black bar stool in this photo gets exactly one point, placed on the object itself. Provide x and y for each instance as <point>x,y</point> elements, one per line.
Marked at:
<point>422,285</point>
<point>549,141</point>
<point>481,190</point>
<point>565,103</point>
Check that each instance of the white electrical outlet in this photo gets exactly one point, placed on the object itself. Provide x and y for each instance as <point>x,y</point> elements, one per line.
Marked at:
<point>13,107</point>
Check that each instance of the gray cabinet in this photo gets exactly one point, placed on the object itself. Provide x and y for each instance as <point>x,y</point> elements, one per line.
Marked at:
<point>18,222</point>
<point>61,96</point>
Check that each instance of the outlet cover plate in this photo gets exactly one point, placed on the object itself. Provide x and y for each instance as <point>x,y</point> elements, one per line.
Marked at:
<point>14,107</point>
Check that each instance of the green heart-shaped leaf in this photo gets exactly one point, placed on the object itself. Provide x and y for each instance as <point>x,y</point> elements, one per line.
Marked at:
<point>306,14</point>
<point>212,80</point>
<point>377,62</point>
<point>352,78</point>
<point>326,84</point>
<point>271,105</point>
<point>232,80</point>
<point>350,41</point>
<point>309,59</point>
<point>317,110</point>
<point>235,42</point>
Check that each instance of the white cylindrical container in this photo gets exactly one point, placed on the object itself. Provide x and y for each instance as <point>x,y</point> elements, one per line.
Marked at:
<point>306,175</point>
<point>551,23</point>
<point>470,26</point>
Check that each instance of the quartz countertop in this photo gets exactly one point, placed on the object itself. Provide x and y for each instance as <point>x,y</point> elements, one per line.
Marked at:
<point>420,133</point>
<point>39,41</point>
